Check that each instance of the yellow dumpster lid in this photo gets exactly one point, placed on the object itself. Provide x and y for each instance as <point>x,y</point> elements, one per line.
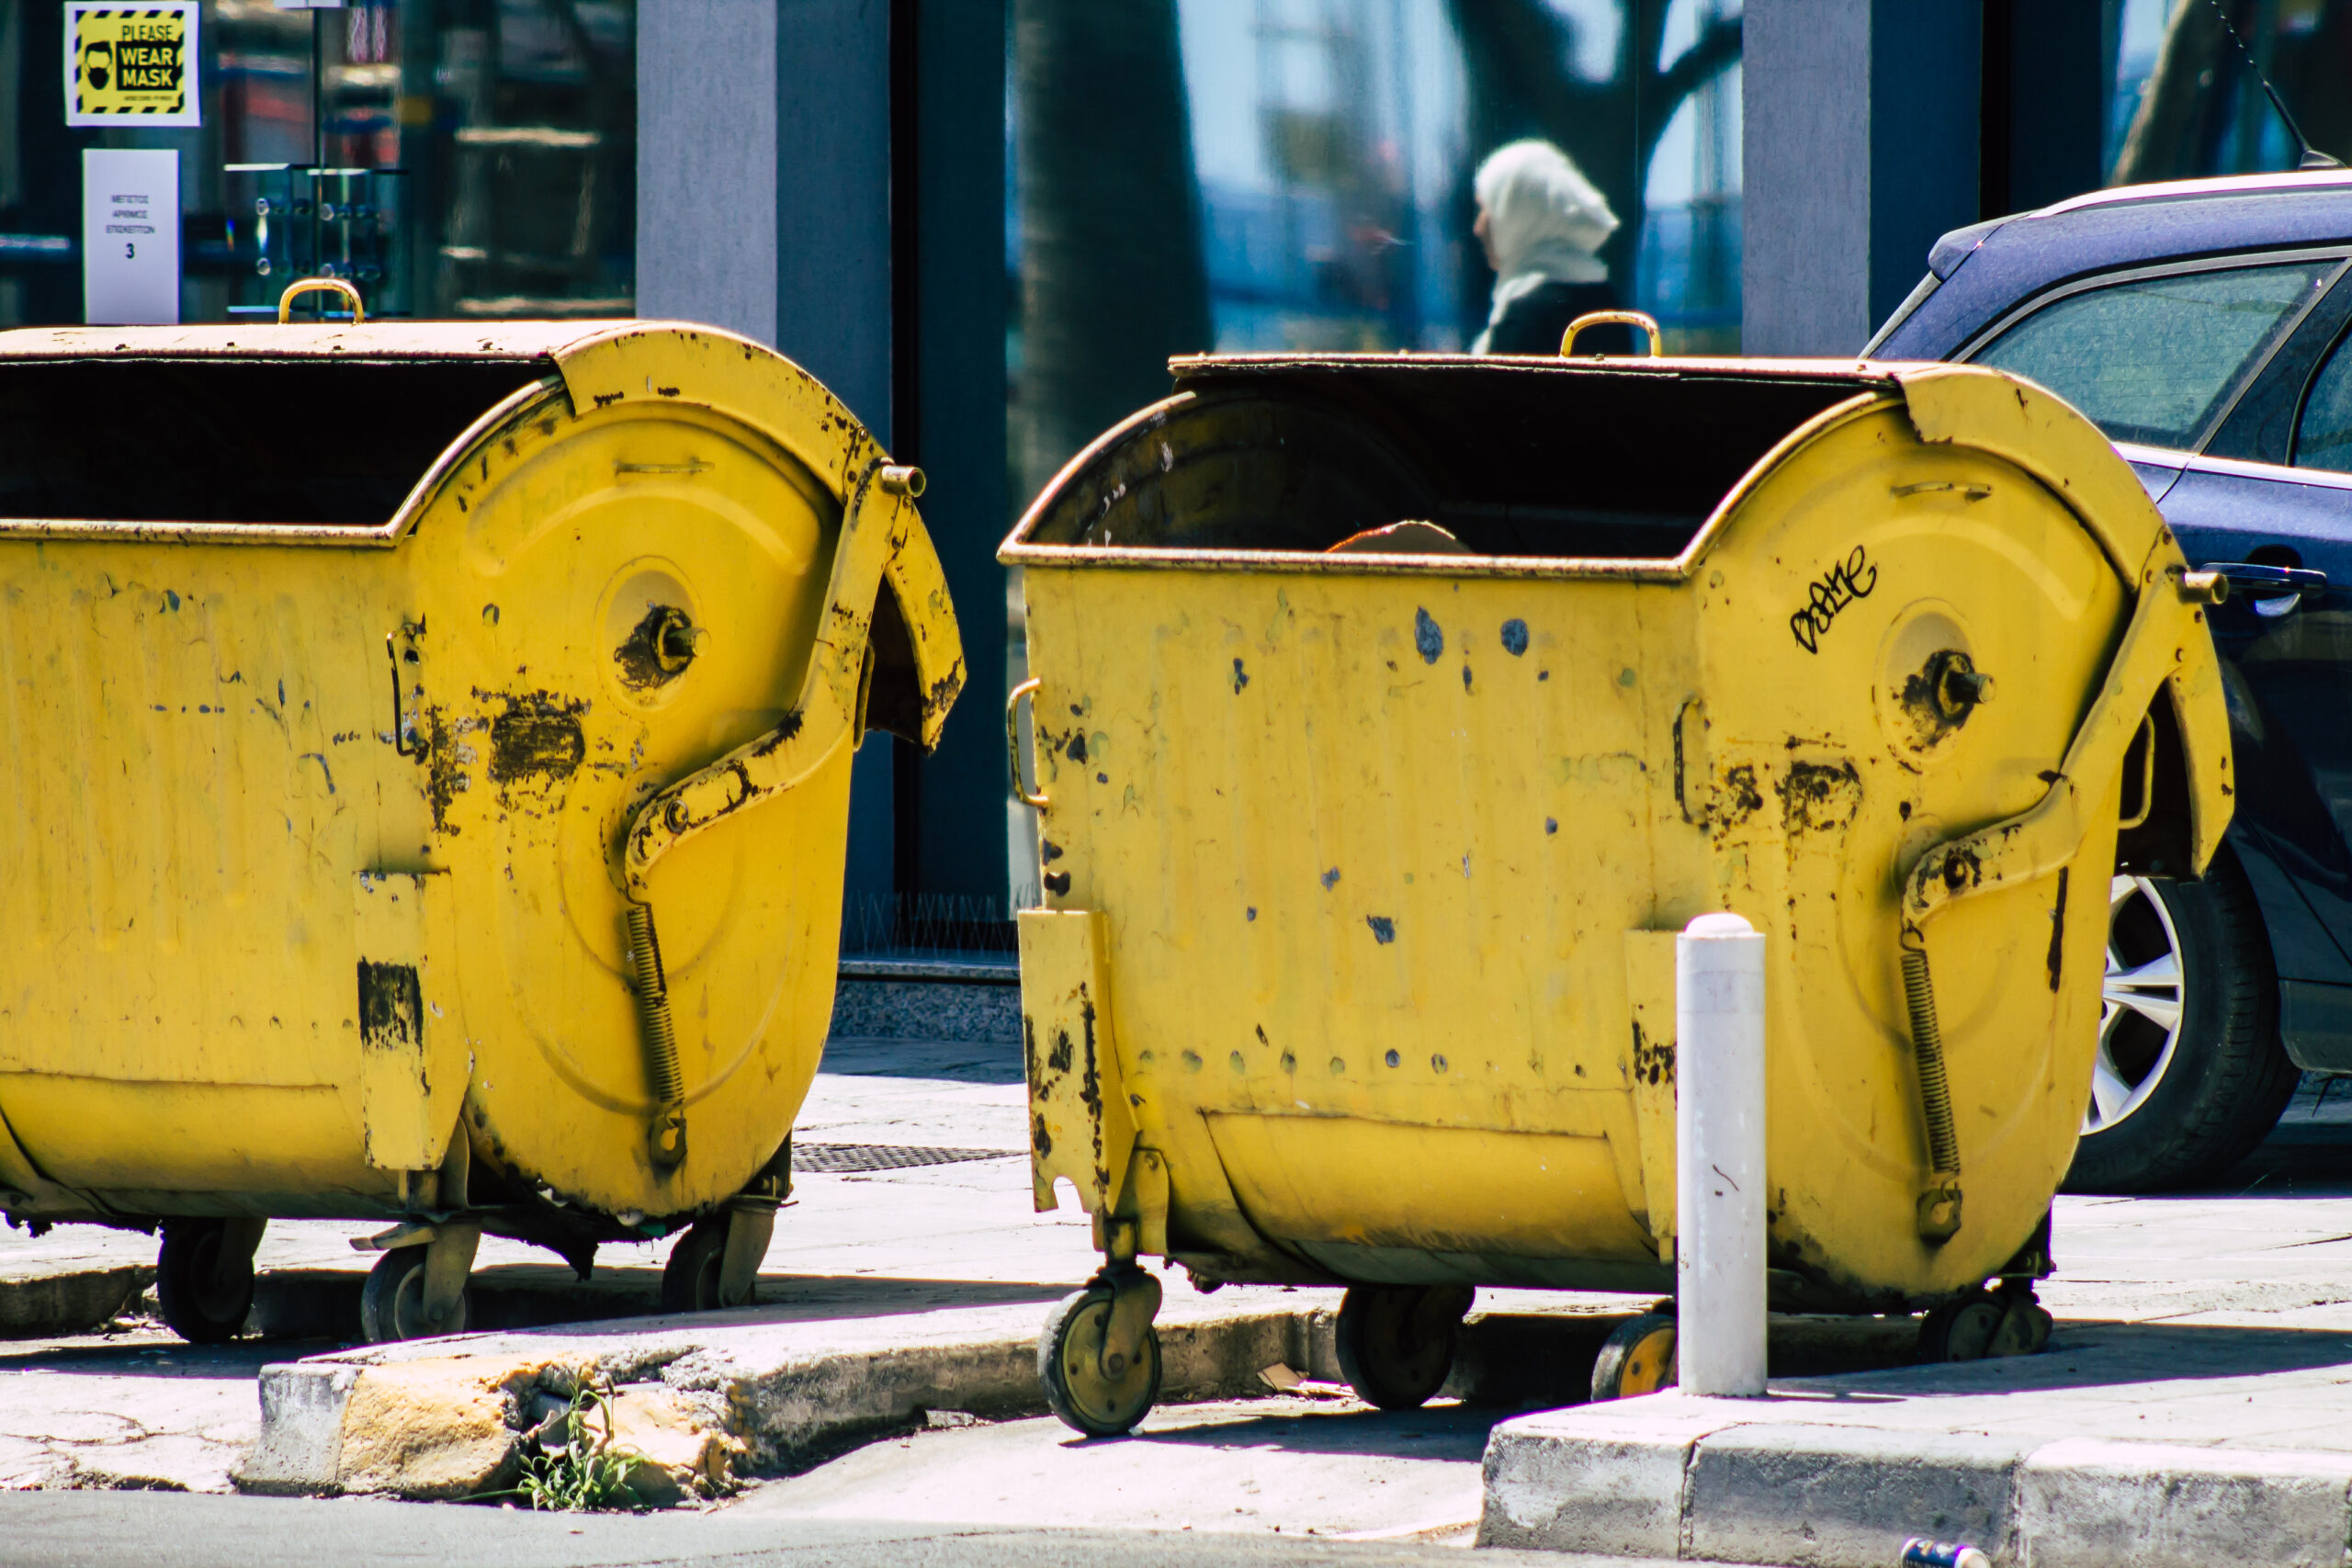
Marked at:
<point>515,341</point>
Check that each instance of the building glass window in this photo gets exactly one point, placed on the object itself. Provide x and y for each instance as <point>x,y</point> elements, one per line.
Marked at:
<point>485,158</point>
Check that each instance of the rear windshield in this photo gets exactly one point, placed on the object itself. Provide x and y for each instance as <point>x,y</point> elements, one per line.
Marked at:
<point>309,441</point>
<point>1519,460</point>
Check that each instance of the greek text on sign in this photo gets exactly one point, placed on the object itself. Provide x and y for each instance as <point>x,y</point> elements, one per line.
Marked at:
<point>131,64</point>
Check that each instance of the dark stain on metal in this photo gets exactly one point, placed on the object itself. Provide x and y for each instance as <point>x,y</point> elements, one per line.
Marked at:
<point>1466,677</point>
<point>1515,637</point>
<point>1329,878</point>
<point>1653,1059</point>
<point>392,1009</point>
<point>1063,1055</point>
<point>1744,799</point>
<point>1383,929</point>
<point>658,650</point>
<point>1551,825</point>
<point>1057,881</point>
<point>1427,637</point>
<point>537,739</point>
<point>1076,749</point>
<point>606,399</point>
<point>1048,850</point>
<point>1089,1093</point>
<point>1817,797</point>
<point>1251,913</point>
<point>1241,677</point>
<point>171,598</point>
<point>2058,930</point>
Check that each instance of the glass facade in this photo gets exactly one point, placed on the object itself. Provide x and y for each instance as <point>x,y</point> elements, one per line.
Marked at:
<point>454,158</point>
<point>1298,175</point>
<point>2188,101</point>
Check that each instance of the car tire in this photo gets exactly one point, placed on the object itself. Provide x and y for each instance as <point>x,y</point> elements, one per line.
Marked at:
<point>2190,1073</point>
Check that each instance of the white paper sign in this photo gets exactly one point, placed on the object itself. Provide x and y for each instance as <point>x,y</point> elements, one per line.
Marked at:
<point>130,237</point>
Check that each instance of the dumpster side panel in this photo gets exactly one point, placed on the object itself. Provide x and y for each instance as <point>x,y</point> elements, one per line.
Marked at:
<point>1406,821</point>
<point>194,736</point>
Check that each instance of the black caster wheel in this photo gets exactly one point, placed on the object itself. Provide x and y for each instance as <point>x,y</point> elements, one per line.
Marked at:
<point>392,1305</point>
<point>203,1277</point>
<point>1087,1397</point>
<point>1963,1330</point>
<point>2025,1326</point>
<point>690,1280</point>
<point>1638,1358</point>
<point>1396,1342</point>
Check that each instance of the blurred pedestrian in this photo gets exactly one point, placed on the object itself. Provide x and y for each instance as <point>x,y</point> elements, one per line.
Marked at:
<point>1543,224</point>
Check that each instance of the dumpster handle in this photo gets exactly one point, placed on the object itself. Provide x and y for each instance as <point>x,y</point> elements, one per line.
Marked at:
<point>1648,323</point>
<point>1013,740</point>
<point>320,286</point>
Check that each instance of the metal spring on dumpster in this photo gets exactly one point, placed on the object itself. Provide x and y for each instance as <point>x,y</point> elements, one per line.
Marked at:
<point>667,1139</point>
<point>1935,1095</point>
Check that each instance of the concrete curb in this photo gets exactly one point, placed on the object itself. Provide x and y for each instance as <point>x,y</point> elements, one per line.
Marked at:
<point>1708,1481</point>
<point>451,1422</point>
<point>53,1305</point>
<point>447,1418</point>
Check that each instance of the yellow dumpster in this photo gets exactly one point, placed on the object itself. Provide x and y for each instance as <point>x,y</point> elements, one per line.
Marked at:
<point>1391,714</point>
<point>429,754</point>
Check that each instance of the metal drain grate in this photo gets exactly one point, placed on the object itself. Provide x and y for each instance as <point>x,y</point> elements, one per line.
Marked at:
<point>837,1158</point>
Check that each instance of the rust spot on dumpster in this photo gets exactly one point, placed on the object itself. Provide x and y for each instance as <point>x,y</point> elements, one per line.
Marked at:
<point>2058,930</point>
<point>537,738</point>
<point>1383,929</point>
<point>1817,797</point>
<point>1743,799</point>
<point>1653,1059</point>
<point>392,1009</point>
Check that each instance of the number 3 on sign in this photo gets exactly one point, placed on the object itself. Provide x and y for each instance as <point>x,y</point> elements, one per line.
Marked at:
<point>129,250</point>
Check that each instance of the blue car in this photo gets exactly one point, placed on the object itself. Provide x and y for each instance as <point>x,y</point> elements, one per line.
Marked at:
<point>2207,327</point>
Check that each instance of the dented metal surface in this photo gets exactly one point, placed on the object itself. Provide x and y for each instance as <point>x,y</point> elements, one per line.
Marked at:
<point>1384,847</point>
<point>293,926</point>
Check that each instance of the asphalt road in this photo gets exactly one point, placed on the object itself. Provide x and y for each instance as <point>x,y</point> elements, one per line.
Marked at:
<point>156,1529</point>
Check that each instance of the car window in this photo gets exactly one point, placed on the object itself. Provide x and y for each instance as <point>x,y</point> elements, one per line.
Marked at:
<point>2324,434</point>
<point>2151,361</point>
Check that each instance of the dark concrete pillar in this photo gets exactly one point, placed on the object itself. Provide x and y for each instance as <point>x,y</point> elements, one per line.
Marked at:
<point>1859,147</point>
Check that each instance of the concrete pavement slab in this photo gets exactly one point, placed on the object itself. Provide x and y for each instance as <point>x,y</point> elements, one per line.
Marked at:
<point>1327,1467</point>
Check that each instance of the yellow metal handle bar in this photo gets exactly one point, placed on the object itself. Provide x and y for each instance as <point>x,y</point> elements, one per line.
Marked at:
<point>2035,843</point>
<point>1648,323</point>
<point>319,285</point>
<point>1013,740</point>
<point>876,526</point>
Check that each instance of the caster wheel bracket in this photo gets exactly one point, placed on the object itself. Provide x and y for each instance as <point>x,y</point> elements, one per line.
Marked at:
<point>1135,1301</point>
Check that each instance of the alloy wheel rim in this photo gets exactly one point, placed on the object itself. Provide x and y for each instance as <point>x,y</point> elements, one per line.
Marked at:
<point>2140,998</point>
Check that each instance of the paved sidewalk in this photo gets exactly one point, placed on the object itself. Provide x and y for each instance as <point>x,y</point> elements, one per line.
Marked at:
<point>2191,1409</point>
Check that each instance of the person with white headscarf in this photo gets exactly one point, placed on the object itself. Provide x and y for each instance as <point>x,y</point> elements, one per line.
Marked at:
<point>1543,224</point>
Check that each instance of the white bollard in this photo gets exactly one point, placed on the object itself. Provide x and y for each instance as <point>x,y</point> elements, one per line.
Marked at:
<point>1719,1156</point>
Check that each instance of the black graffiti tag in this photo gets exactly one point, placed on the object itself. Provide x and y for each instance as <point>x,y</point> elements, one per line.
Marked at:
<point>1850,579</point>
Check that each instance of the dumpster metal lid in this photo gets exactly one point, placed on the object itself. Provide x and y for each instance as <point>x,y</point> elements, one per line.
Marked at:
<point>515,341</point>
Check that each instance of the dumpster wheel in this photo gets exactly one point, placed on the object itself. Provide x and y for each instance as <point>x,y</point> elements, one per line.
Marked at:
<point>1984,1324</point>
<point>1638,1357</point>
<point>392,1305</point>
<point>204,1277</point>
<point>1396,1342</point>
<point>1086,1394</point>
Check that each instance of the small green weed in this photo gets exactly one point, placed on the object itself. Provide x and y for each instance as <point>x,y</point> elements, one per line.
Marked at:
<point>578,1467</point>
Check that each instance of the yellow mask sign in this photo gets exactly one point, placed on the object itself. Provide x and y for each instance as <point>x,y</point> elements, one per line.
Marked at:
<point>131,64</point>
